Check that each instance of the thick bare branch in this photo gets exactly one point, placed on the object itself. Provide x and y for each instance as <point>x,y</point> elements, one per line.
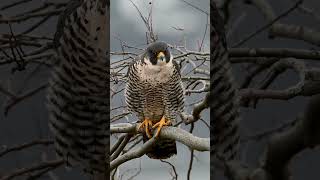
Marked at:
<point>178,134</point>
<point>272,52</point>
<point>309,87</point>
<point>118,151</point>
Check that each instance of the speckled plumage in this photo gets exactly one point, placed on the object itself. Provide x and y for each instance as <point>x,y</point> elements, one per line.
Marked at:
<point>78,92</point>
<point>154,91</point>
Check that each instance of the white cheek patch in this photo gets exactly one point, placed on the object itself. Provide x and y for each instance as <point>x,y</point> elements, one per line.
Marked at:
<point>155,74</point>
<point>161,63</point>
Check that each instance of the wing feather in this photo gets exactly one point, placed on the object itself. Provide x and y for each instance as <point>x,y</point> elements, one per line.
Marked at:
<point>175,94</point>
<point>133,92</point>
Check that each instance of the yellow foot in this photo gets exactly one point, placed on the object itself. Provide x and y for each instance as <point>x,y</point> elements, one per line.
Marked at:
<point>161,123</point>
<point>146,124</point>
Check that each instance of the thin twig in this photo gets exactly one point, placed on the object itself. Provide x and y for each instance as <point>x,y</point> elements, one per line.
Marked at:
<point>38,167</point>
<point>14,4</point>
<point>26,145</point>
<point>175,177</point>
<point>266,26</point>
<point>23,97</point>
<point>191,155</point>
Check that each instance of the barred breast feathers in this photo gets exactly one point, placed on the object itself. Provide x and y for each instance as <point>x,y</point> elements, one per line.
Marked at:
<point>140,73</point>
<point>77,95</point>
<point>133,90</point>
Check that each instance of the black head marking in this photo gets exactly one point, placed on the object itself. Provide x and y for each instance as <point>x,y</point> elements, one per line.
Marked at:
<point>153,50</point>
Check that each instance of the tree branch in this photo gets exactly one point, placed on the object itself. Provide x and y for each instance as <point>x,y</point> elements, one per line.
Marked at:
<point>136,153</point>
<point>269,24</point>
<point>26,145</point>
<point>272,52</point>
<point>178,134</point>
<point>286,30</point>
<point>283,147</point>
<point>38,167</point>
<point>310,87</point>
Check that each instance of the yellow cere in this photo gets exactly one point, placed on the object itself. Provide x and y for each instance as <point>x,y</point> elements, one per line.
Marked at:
<point>160,54</point>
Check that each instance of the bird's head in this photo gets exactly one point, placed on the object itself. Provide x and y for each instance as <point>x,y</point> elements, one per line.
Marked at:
<point>158,54</point>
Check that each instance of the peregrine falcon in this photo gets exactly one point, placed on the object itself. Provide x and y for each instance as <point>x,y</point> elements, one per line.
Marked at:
<point>77,94</point>
<point>155,94</point>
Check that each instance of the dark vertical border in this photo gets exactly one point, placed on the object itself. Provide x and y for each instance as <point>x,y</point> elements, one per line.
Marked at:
<point>223,97</point>
<point>107,3</point>
<point>212,49</point>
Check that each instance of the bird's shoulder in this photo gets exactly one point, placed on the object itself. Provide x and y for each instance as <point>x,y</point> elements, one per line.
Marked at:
<point>176,66</point>
<point>134,62</point>
<point>69,9</point>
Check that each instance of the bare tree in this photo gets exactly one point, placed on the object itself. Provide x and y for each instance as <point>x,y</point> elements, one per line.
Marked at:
<point>263,68</point>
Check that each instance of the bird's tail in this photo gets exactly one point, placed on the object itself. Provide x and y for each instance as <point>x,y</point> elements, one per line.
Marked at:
<point>163,149</point>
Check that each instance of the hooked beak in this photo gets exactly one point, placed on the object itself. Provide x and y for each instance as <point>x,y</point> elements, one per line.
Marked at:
<point>161,56</point>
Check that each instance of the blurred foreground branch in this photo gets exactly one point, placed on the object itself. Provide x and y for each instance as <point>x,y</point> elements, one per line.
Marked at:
<point>283,147</point>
